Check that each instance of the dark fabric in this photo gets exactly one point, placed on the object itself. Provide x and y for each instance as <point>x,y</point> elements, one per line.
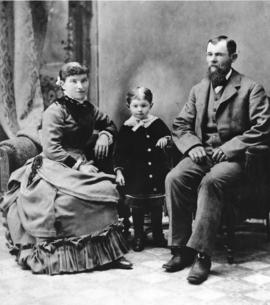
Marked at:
<point>242,116</point>
<point>63,129</point>
<point>70,161</point>
<point>202,190</point>
<point>156,221</point>
<point>50,202</point>
<point>138,221</point>
<point>144,164</point>
<point>211,138</point>
<point>73,254</point>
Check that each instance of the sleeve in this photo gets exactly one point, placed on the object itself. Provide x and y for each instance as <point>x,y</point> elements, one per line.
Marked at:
<point>259,131</point>
<point>163,129</point>
<point>121,149</point>
<point>103,124</point>
<point>52,135</point>
<point>183,129</point>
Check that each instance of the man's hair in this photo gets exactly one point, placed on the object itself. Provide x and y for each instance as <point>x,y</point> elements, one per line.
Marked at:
<point>139,93</point>
<point>231,44</point>
<point>72,68</point>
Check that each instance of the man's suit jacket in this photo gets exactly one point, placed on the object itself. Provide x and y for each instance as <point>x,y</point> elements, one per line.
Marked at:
<point>242,116</point>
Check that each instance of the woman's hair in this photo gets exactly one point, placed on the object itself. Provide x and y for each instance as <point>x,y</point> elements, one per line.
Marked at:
<point>140,93</point>
<point>72,68</point>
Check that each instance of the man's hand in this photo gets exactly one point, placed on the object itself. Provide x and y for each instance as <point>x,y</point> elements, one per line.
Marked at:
<point>218,156</point>
<point>197,154</point>
<point>120,179</point>
<point>88,168</point>
<point>102,147</point>
<point>162,142</point>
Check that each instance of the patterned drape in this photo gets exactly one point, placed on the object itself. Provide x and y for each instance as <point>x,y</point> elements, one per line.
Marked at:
<point>8,116</point>
<point>21,102</point>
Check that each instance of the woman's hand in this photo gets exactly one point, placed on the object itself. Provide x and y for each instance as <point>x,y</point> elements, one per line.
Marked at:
<point>88,168</point>
<point>162,142</point>
<point>120,179</point>
<point>102,147</point>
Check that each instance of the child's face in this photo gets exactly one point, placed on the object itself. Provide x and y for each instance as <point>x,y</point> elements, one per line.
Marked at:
<point>140,108</point>
<point>76,86</point>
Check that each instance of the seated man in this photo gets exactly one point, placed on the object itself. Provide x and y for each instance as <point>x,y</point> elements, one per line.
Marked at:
<point>226,113</point>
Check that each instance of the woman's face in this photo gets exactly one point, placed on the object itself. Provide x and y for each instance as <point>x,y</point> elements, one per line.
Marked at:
<point>76,87</point>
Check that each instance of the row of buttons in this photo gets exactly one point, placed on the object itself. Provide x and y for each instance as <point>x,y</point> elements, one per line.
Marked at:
<point>150,163</point>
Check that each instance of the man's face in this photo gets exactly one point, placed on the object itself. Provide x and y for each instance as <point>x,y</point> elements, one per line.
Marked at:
<point>218,58</point>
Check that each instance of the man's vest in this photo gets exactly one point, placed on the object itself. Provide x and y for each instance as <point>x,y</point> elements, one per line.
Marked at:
<point>210,133</point>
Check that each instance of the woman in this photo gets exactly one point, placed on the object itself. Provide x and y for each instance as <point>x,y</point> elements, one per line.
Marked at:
<point>60,210</point>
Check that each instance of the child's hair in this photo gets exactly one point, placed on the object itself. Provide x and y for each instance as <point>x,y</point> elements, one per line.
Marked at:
<point>139,93</point>
<point>72,68</point>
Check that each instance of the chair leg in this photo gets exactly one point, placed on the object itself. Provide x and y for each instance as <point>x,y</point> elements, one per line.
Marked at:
<point>230,245</point>
<point>268,226</point>
<point>230,236</point>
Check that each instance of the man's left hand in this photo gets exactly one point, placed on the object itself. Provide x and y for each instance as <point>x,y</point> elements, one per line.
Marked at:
<point>218,156</point>
<point>102,147</point>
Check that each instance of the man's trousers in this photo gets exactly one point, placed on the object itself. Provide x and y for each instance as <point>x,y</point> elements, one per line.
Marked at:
<point>201,190</point>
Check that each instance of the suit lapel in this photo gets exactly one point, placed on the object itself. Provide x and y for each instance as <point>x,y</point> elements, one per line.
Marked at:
<point>230,89</point>
<point>202,101</point>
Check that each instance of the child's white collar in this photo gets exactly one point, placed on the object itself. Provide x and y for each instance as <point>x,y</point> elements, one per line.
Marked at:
<point>136,123</point>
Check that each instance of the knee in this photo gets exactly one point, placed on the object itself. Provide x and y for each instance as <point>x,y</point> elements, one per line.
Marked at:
<point>171,178</point>
<point>209,181</point>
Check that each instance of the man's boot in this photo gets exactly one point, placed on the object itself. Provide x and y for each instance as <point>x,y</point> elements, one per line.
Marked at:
<point>200,269</point>
<point>182,258</point>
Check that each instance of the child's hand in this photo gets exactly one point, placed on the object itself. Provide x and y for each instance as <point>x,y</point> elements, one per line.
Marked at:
<point>120,179</point>
<point>162,142</point>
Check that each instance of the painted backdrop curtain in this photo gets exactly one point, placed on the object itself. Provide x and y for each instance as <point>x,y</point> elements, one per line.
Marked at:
<point>22,33</point>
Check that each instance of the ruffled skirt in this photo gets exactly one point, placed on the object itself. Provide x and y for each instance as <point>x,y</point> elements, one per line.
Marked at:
<point>60,221</point>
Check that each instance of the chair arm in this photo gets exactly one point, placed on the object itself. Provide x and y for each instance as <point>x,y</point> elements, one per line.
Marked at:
<point>18,151</point>
<point>257,163</point>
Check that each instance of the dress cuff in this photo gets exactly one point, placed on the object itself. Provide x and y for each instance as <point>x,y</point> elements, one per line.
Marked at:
<point>78,164</point>
<point>116,168</point>
<point>108,134</point>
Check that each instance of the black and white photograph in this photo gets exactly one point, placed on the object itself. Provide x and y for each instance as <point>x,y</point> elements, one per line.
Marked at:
<point>134,152</point>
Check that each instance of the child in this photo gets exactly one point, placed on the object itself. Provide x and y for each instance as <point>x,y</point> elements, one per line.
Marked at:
<point>141,164</point>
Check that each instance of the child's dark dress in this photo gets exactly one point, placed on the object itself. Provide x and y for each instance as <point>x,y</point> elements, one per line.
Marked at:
<point>144,165</point>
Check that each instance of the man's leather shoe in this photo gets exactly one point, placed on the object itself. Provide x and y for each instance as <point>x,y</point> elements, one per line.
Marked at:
<point>200,269</point>
<point>138,244</point>
<point>178,262</point>
<point>122,263</point>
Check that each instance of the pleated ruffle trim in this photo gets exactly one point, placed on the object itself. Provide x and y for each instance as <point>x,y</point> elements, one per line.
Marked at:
<point>71,255</point>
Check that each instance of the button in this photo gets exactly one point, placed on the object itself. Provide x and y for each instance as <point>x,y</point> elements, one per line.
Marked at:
<point>149,163</point>
<point>154,189</point>
<point>147,136</point>
<point>214,109</point>
<point>150,176</point>
<point>149,149</point>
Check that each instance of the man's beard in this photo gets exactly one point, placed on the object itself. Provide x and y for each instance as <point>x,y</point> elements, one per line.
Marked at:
<point>218,76</point>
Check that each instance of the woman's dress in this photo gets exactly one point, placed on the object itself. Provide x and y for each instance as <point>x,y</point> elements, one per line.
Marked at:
<point>58,219</point>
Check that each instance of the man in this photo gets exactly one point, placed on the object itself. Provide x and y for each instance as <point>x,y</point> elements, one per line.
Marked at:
<point>226,113</point>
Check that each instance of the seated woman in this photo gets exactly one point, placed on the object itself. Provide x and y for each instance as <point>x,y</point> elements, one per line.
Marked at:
<point>60,210</point>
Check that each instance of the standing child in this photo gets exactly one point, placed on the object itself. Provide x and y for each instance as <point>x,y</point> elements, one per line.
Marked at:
<point>141,164</point>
